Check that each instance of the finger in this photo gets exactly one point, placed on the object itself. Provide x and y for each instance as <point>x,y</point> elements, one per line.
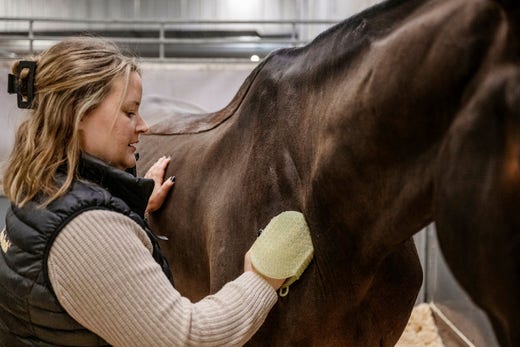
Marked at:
<point>158,169</point>
<point>165,189</point>
<point>160,195</point>
<point>158,161</point>
<point>162,162</point>
<point>161,167</point>
<point>167,185</point>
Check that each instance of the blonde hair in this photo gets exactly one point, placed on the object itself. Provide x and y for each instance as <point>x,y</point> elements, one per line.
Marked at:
<point>72,78</point>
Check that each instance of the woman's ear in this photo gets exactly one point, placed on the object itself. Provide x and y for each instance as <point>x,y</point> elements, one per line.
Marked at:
<point>82,120</point>
<point>81,123</point>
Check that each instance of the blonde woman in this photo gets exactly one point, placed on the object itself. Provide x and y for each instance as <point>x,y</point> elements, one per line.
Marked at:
<point>79,265</point>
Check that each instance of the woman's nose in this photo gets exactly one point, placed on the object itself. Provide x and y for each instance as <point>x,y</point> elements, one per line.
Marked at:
<point>142,127</point>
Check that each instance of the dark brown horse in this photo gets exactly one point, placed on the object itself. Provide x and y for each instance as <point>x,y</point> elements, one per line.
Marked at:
<point>406,113</point>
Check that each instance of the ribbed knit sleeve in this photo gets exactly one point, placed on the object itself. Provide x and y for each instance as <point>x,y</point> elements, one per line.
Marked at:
<point>101,269</point>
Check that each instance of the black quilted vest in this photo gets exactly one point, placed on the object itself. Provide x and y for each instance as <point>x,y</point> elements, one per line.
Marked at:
<point>30,314</point>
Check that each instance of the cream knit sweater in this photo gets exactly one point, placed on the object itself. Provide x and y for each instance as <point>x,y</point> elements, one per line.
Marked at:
<point>102,271</point>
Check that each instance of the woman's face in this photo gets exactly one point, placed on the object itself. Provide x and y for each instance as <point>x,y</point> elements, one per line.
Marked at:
<point>111,130</point>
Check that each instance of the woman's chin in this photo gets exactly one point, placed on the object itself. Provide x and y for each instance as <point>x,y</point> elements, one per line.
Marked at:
<point>130,163</point>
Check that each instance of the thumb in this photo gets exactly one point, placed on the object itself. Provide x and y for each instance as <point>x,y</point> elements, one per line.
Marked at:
<point>160,194</point>
<point>163,191</point>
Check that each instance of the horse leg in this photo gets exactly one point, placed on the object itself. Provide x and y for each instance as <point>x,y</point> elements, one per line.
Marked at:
<point>477,195</point>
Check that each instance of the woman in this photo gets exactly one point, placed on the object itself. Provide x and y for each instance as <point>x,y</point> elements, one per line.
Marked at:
<point>79,265</point>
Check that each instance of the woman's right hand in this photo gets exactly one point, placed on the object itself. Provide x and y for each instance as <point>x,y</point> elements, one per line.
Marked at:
<point>248,266</point>
<point>162,186</point>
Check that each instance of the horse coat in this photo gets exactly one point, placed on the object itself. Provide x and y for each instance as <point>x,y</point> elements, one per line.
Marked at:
<point>404,114</point>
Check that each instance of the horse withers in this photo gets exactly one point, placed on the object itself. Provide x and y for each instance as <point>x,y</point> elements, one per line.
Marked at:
<point>404,114</point>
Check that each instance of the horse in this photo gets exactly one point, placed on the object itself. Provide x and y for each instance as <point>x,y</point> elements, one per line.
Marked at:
<point>404,114</point>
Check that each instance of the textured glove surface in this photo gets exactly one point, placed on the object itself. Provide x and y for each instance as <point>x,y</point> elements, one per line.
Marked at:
<point>284,249</point>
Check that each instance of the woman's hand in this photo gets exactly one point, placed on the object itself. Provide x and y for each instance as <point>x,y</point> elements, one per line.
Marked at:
<point>161,187</point>
<point>248,266</point>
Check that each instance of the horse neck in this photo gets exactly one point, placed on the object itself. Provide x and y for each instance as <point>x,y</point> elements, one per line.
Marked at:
<point>374,113</point>
<point>360,114</point>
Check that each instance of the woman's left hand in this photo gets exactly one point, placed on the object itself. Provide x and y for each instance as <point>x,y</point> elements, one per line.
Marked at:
<point>161,187</point>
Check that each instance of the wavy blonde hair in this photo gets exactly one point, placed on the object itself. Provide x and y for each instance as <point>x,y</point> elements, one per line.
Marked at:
<point>72,78</point>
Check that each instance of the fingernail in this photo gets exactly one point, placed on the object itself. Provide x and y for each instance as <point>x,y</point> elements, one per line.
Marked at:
<point>172,178</point>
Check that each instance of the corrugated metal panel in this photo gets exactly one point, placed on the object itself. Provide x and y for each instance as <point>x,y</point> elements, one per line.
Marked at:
<point>184,9</point>
<point>163,10</point>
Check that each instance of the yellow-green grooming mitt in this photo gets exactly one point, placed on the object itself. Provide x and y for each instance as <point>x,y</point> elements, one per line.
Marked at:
<point>284,249</point>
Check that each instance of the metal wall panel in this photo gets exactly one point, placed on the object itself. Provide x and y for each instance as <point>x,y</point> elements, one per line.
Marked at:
<point>185,9</point>
<point>182,9</point>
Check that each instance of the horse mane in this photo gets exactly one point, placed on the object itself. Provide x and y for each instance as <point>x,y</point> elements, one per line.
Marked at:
<point>193,123</point>
<point>352,23</point>
<point>341,45</point>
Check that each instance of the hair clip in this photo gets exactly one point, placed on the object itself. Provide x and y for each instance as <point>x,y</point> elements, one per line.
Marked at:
<point>25,91</point>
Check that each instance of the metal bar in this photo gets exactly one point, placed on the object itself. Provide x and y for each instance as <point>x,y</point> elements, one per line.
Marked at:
<point>161,39</point>
<point>40,39</point>
<point>31,37</point>
<point>441,318</point>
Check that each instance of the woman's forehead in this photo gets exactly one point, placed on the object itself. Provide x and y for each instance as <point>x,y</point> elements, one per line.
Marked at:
<point>134,88</point>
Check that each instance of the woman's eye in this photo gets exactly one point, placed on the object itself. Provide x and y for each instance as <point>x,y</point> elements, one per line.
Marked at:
<point>130,114</point>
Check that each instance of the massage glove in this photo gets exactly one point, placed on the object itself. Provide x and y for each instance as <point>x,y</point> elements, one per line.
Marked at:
<point>284,249</point>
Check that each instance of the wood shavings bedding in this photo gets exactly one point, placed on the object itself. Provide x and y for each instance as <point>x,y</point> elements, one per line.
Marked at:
<point>421,330</point>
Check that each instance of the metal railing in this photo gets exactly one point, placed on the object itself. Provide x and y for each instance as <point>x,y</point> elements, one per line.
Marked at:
<point>163,39</point>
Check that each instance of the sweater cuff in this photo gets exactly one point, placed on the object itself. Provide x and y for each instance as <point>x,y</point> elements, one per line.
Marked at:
<point>258,284</point>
